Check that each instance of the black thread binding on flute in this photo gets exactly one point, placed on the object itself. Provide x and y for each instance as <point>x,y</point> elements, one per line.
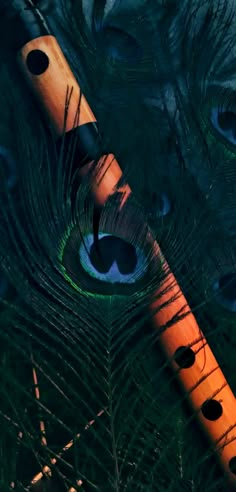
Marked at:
<point>87,144</point>
<point>22,22</point>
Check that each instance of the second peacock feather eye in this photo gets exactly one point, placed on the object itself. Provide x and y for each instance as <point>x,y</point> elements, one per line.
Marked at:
<point>160,206</point>
<point>224,122</point>
<point>225,291</point>
<point>119,45</point>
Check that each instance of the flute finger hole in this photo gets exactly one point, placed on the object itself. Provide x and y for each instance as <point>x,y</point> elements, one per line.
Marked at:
<point>212,409</point>
<point>37,62</point>
<point>184,357</point>
<point>232,465</point>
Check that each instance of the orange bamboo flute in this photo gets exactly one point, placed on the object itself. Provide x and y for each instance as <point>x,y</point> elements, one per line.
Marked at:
<point>51,79</point>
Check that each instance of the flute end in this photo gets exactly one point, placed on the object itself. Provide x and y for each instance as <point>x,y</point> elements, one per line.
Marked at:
<point>23,21</point>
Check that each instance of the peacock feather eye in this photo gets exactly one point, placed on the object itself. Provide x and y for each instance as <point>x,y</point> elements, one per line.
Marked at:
<point>112,264</point>
<point>119,45</point>
<point>8,168</point>
<point>165,205</point>
<point>161,206</point>
<point>224,122</point>
<point>225,291</point>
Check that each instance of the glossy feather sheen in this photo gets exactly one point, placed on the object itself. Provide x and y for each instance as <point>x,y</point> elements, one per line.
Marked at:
<point>93,346</point>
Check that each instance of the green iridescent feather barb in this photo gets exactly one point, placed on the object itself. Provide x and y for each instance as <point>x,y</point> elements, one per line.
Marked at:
<point>88,399</point>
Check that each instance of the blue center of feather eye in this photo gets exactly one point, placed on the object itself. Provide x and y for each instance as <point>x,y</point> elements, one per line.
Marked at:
<point>112,259</point>
<point>227,120</point>
<point>112,250</point>
<point>224,121</point>
<point>225,291</point>
<point>8,168</point>
<point>119,45</point>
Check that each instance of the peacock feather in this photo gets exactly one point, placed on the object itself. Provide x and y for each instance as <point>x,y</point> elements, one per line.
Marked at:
<point>87,394</point>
